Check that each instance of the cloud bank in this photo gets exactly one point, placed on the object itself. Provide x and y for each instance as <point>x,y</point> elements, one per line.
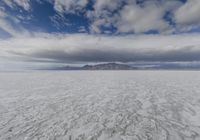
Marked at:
<point>85,48</point>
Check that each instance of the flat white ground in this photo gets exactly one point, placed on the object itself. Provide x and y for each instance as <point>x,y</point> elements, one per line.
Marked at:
<point>100,105</point>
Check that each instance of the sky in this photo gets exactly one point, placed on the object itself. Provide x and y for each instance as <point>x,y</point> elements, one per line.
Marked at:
<point>46,33</point>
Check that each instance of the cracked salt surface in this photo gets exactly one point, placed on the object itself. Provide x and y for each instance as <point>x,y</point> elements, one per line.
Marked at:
<point>100,105</point>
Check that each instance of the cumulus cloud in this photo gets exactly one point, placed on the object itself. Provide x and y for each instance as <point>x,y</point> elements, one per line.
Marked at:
<point>133,15</point>
<point>137,16</point>
<point>130,19</point>
<point>129,16</point>
<point>188,14</point>
<point>110,5</point>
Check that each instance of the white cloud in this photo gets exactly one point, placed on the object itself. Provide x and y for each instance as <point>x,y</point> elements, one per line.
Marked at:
<point>69,6</point>
<point>8,27</point>
<point>10,23</point>
<point>107,4</point>
<point>25,4</point>
<point>126,16</point>
<point>59,21</point>
<point>131,17</point>
<point>82,29</point>
<point>188,14</point>
<point>137,19</point>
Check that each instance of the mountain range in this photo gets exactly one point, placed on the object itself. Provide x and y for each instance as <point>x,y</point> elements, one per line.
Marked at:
<point>105,66</point>
<point>119,66</point>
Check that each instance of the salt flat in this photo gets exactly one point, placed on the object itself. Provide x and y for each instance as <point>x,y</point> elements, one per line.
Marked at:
<point>100,105</point>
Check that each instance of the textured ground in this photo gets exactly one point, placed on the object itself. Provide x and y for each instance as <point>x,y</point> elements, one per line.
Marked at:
<point>100,105</point>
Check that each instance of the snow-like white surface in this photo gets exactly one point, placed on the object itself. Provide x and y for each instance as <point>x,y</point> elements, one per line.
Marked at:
<point>100,105</point>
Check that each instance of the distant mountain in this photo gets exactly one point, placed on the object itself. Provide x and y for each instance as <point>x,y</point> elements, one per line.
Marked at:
<point>117,66</point>
<point>106,66</point>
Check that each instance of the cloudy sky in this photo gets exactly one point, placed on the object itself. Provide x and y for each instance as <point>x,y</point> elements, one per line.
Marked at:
<point>42,33</point>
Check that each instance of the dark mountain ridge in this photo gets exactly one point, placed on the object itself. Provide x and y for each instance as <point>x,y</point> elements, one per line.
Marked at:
<point>106,66</point>
<point>118,66</point>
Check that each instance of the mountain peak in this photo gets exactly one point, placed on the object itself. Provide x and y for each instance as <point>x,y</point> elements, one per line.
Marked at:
<point>107,66</point>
